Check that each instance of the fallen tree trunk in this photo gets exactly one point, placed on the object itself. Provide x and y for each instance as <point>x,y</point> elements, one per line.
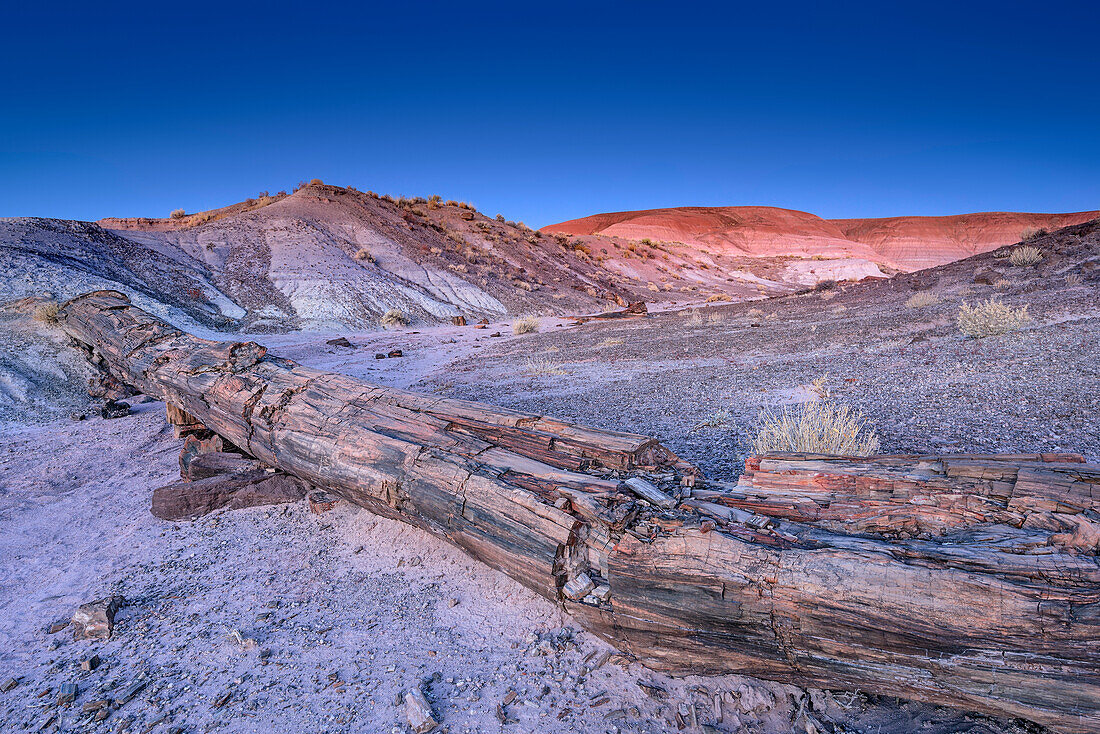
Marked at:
<point>962,591</point>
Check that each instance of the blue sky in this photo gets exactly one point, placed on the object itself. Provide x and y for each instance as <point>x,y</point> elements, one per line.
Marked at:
<point>546,112</point>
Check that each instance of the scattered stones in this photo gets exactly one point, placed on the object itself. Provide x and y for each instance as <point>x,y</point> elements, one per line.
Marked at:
<point>114,409</point>
<point>96,620</point>
<point>419,712</point>
<point>751,698</point>
<point>90,663</point>
<point>67,694</point>
<point>458,320</point>
<point>9,684</point>
<point>395,353</point>
<point>57,626</point>
<point>222,699</point>
<point>92,706</point>
<point>341,341</point>
<point>452,602</point>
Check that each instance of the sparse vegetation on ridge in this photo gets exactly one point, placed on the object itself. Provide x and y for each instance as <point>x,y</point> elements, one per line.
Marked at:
<point>990,318</point>
<point>542,367</point>
<point>178,214</point>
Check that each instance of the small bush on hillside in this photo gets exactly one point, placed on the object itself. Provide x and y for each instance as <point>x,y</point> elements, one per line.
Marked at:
<point>1031,233</point>
<point>394,319</point>
<point>178,214</point>
<point>316,182</point>
<point>364,254</point>
<point>525,325</point>
<point>1073,279</point>
<point>825,285</point>
<point>990,318</point>
<point>46,313</point>
<point>1002,253</point>
<point>718,297</point>
<point>817,427</point>
<point>922,299</point>
<point>1025,256</point>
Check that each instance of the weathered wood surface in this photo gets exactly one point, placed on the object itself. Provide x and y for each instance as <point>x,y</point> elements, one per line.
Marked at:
<point>945,579</point>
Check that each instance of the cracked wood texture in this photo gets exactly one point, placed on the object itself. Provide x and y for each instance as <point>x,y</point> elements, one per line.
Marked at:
<point>966,581</point>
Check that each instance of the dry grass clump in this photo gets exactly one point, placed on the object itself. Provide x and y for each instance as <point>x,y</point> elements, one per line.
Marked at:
<point>1073,279</point>
<point>364,254</point>
<point>178,214</point>
<point>818,427</point>
<point>611,341</point>
<point>394,319</point>
<point>525,325</point>
<point>542,366</point>
<point>1025,255</point>
<point>922,299</point>
<point>1031,233</point>
<point>990,318</point>
<point>825,285</point>
<point>316,182</point>
<point>46,313</point>
<point>719,297</point>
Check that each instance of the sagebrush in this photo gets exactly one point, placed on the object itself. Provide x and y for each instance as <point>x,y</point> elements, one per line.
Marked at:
<point>525,325</point>
<point>394,319</point>
<point>990,318</point>
<point>922,299</point>
<point>1025,255</point>
<point>817,427</point>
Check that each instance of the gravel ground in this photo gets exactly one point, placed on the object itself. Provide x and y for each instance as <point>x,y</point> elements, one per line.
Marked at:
<point>922,385</point>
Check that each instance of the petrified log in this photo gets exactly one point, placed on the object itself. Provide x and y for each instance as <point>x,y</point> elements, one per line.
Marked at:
<point>956,591</point>
<point>216,463</point>
<point>187,500</point>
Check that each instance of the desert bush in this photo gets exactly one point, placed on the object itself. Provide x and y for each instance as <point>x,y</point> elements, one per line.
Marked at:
<point>178,214</point>
<point>542,366</point>
<point>1073,279</point>
<point>922,299</point>
<point>1025,256</point>
<point>718,297</point>
<point>46,313</point>
<point>316,182</point>
<point>364,254</point>
<point>612,341</point>
<point>818,427</point>
<point>394,319</point>
<point>990,318</point>
<point>500,217</point>
<point>1031,233</point>
<point>525,325</point>
<point>755,313</point>
<point>825,285</point>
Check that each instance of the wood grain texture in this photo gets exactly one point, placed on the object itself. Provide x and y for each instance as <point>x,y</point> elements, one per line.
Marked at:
<point>965,581</point>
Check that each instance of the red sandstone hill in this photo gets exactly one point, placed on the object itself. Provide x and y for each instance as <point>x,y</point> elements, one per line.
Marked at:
<point>907,243</point>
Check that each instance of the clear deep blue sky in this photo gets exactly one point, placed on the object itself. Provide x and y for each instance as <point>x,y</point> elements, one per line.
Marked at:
<point>550,111</point>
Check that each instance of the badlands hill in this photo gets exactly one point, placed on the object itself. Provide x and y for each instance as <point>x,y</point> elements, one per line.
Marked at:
<point>328,257</point>
<point>904,243</point>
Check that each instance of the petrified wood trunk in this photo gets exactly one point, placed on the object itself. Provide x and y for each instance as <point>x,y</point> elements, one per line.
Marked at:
<point>967,582</point>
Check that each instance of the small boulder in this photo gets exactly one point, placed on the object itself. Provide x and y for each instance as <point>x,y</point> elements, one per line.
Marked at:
<point>341,341</point>
<point>96,619</point>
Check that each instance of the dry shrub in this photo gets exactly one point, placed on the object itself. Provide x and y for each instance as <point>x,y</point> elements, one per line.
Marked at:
<point>718,297</point>
<point>990,318</point>
<point>525,325</point>
<point>364,254</point>
<point>178,214</point>
<point>1002,283</point>
<point>755,313</point>
<point>611,341</point>
<point>46,313</point>
<point>1031,233</point>
<point>922,299</point>
<point>394,319</point>
<point>825,285</point>
<point>1073,279</point>
<point>316,182</point>
<point>542,366</point>
<point>817,427</point>
<point>1025,255</point>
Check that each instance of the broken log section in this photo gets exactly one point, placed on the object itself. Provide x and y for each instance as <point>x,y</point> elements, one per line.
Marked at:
<point>965,581</point>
